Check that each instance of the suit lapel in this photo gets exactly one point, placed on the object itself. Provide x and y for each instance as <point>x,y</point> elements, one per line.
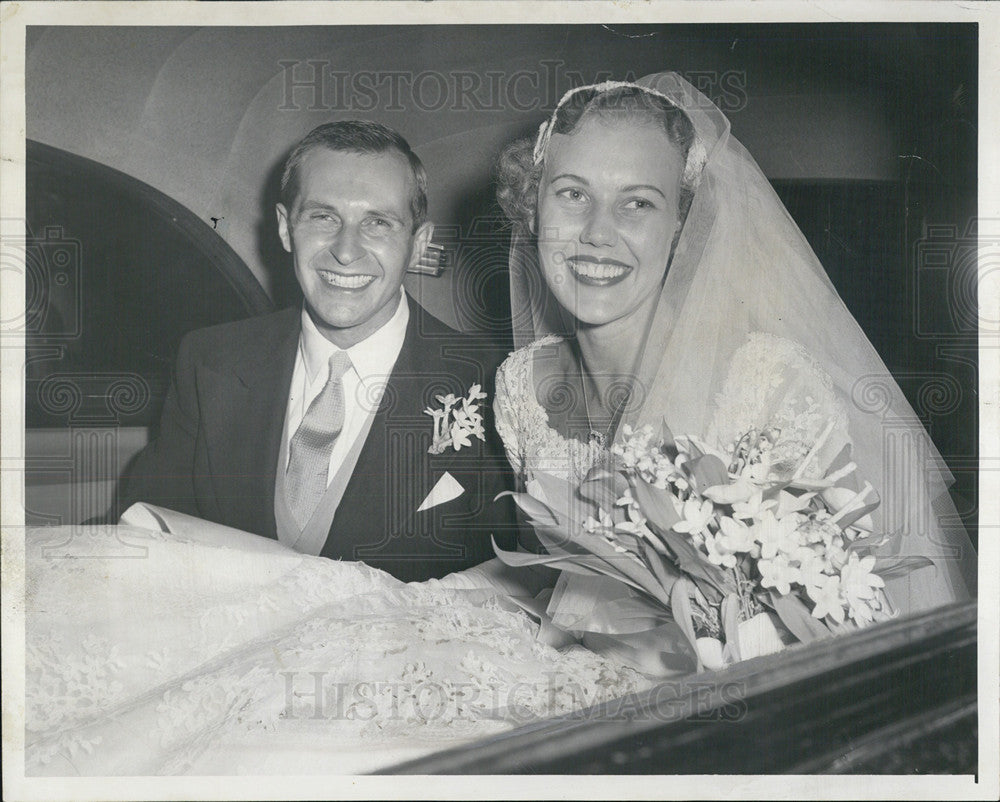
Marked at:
<point>246,437</point>
<point>389,482</point>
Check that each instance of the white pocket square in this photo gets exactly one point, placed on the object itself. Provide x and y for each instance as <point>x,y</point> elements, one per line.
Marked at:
<point>446,489</point>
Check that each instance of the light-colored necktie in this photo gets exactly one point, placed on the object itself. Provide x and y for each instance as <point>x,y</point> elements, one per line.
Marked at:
<point>310,447</point>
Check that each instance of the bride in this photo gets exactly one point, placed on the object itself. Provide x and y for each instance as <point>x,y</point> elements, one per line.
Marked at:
<point>656,275</point>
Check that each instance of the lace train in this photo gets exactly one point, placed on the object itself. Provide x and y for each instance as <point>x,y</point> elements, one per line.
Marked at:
<point>149,653</point>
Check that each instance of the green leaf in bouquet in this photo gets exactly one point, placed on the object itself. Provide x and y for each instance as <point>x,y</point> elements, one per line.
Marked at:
<point>625,564</point>
<point>680,607</point>
<point>796,616</point>
<point>577,563</point>
<point>689,559</point>
<point>667,441</point>
<point>601,487</point>
<point>665,573</point>
<point>707,471</point>
<point>656,504</point>
<point>559,540</point>
<point>712,593</point>
<point>562,535</point>
<point>772,492</point>
<point>532,507</point>
<point>900,566</point>
<point>731,625</point>
<point>841,460</point>
<point>564,499</point>
<point>867,544</point>
<point>856,516</point>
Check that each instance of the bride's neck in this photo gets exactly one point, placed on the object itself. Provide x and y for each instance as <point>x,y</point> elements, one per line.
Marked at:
<point>612,350</point>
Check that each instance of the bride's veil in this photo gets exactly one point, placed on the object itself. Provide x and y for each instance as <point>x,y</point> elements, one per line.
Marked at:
<point>742,265</point>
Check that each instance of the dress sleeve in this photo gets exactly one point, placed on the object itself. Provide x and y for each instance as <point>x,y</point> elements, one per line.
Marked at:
<point>508,400</point>
<point>774,383</point>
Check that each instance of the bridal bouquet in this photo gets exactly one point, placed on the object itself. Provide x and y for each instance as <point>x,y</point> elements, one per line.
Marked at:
<point>722,543</point>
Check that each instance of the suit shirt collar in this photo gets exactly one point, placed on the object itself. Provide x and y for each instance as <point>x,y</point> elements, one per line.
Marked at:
<point>372,358</point>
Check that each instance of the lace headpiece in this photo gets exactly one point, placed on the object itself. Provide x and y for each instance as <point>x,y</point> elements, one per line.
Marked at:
<point>697,154</point>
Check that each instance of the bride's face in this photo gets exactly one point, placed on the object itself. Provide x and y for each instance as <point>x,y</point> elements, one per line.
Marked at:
<point>607,214</point>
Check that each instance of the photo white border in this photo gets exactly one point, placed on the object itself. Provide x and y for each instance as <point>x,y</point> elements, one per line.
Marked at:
<point>14,17</point>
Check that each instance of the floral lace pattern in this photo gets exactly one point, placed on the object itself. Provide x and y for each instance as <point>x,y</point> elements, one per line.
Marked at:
<point>206,659</point>
<point>773,382</point>
<point>523,423</point>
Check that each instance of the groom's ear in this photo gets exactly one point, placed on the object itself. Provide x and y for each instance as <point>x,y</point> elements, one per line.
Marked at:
<point>283,232</point>
<point>421,239</point>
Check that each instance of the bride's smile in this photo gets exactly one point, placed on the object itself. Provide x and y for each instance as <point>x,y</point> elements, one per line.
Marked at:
<point>607,215</point>
<point>598,272</point>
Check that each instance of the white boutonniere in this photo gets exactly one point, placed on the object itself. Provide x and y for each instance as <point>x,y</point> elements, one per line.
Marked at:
<point>458,421</point>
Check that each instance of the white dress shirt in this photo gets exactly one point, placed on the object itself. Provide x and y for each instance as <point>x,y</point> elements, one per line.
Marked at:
<point>372,361</point>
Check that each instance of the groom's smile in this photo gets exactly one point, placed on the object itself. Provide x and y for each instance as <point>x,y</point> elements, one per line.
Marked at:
<point>350,230</point>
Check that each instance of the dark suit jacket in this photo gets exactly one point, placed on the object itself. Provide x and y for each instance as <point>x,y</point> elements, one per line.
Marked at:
<point>220,434</point>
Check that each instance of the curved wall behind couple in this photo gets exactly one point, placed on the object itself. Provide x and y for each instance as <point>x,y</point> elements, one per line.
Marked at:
<point>151,192</point>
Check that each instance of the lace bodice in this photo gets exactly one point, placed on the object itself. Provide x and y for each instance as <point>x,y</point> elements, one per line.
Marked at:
<point>771,382</point>
<point>523,423</point>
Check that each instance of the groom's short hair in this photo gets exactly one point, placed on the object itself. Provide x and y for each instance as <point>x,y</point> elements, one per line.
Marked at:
<point>356,136</point>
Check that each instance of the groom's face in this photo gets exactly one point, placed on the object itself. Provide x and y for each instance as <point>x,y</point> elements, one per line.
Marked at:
<point>351,235</point>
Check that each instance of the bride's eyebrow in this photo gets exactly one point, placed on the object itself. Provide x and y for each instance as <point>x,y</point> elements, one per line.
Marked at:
<point>572,177</point>
<point>635,187</point>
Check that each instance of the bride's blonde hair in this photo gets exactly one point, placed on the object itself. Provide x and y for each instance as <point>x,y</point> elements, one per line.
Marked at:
<point>519,171</point>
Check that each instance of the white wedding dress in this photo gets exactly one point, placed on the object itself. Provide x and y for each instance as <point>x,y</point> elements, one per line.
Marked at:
<point>152,653</point>
<point>771,382</point>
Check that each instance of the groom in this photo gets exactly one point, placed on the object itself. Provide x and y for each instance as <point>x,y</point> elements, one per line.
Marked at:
<point>308,425</point>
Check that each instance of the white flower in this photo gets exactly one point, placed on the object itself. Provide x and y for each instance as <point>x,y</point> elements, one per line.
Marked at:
<point>736,492</point>
<point>593,525</point>
<point>776,536</point>
<point>812,567</point>
<point>736,536</point>
<point>753,506</point>
<point>778,573</point>
<point>456,425</point>
<point>459,436</point>
<point>696,517</point>
<point>632,509</point>
<point>859,586</point>
<point>789,502</point>
<point>718,554</point>
<point>827,599</point>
